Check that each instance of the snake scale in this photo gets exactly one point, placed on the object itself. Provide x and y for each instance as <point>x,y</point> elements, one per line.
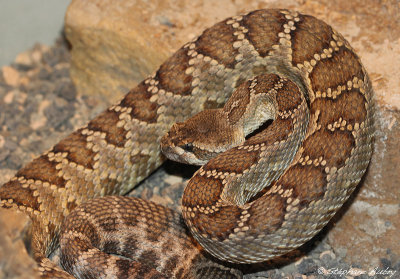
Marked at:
<point>257,200</point>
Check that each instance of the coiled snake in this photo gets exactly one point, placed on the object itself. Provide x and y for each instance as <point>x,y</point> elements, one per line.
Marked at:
<point>255,200</point>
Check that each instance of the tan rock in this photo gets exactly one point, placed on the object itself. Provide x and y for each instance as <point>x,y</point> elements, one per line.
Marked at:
<point>24,58</point>
<point>15,262</point>
<point>112,48</point>
<point>11,76</point>
<point>2,141</point>
<point>8,98</point>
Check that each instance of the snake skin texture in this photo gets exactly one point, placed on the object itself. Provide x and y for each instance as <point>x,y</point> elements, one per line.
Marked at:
<point>260,199</point>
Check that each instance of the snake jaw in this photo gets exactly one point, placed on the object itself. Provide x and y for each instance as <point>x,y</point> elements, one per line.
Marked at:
<point>201,138</point>
<point>178,148</point>
<point>178,154</point>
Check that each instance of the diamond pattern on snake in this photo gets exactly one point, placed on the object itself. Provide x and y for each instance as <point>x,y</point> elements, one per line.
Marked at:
<point>260,193</point>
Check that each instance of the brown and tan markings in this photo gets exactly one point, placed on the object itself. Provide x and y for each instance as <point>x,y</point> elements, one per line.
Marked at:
<point>262,193</point>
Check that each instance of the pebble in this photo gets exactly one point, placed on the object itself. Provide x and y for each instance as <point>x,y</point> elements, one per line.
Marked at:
<point>8,98</point>
<point>307,266</point>
<point>11,75</point>
<point>2,141</point>
<point>24,59</point>
<point>65,89</point>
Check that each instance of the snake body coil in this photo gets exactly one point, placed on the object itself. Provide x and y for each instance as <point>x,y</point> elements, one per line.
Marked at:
<point>257,200</point>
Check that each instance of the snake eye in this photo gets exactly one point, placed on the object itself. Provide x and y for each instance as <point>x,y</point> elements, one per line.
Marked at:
<point>187,147</point>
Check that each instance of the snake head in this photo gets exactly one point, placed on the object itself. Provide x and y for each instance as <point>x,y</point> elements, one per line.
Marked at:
<point>200,138</point>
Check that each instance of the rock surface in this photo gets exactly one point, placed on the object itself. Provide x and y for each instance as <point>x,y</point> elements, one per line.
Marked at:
<point>15,262</point>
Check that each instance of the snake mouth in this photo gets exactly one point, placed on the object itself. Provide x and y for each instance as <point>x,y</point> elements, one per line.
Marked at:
<point>178,150</point>
<point>178,154</point>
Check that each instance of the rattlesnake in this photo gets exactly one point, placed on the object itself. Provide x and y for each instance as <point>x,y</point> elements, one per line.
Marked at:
<point>297,172</point>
